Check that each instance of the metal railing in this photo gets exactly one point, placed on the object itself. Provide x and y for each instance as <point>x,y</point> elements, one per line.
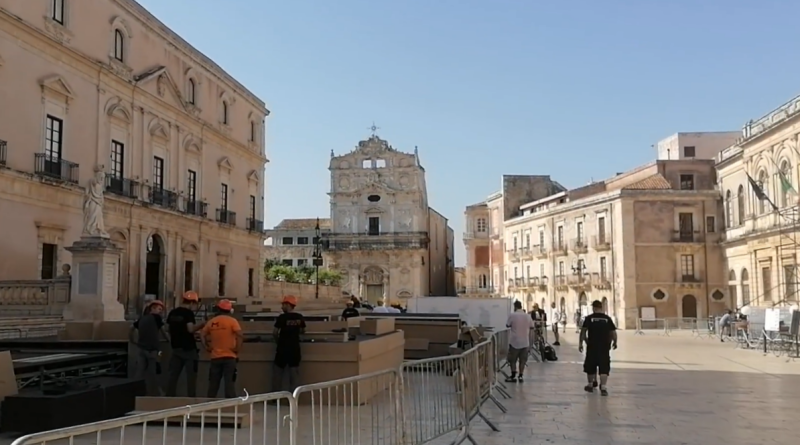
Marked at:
<point>418,402</point>
<point>125,187</point>
<point>254,225</point>
<point>48,166</point>
<point>226,216</point>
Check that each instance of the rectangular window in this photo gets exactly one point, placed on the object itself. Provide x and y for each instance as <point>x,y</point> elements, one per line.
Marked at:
<point>302,240</point>
<point>58,11</point>
<point>687,182</point>
<point>188,275</point>
<point>515,272</point>
<point>687,267</point>
<point>221,282</point>
<point>223,197</point>
<point>561,268</point>
<point>541,238</point>
<point>515,243</point>
<point>49,261</point>
<point>287,241</point>
<point>581,267</point>
<point>252,207</point>
<point>603,266</point>
<point>688,152</point>
<point>579,230</point>
<point>286,262</point>
<point>527,240</point>
<point>251,281</point>
<point>766,282</point>
<point>541,271</point>
<point>601,229</point>
<point>481,225</point>
<point>711,224</point>
<point>374,227</point>
<point>527,271</point>
<point>560,237</point>
<point>301,262</point>
<point>790,282</point>
<point>158,173</point>
<point>191,185</point>
<point>686,226</point>
<point>53,143</point>
<point>117,160</point>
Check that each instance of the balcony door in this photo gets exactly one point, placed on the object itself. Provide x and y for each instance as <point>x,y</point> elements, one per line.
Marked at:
<point>686,226</point>
<point>53,146</point>
<point>374,225</point>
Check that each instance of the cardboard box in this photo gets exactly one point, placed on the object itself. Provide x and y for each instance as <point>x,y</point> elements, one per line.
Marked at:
<point>377,326</point>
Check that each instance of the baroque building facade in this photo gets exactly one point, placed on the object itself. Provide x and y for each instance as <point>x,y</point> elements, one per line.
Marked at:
<point>104,85</point>
<point>761,232</point>
<point>644,242</point>
<point>385,239</point>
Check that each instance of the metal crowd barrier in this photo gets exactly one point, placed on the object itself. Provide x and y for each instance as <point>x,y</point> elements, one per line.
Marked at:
<point>421,401</point>
<point>656,325</point>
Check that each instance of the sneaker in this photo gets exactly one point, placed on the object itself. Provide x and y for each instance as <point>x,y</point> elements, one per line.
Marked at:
<point>556,343</point>
<point>519,379</point>
<point>511,379</point>
<point>594,384</point>
<point>603,392</point>
<point>588,388</point>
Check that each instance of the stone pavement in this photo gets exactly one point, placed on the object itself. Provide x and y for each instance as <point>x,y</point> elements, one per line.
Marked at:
<point>675,390</point>
<point>663,390</point>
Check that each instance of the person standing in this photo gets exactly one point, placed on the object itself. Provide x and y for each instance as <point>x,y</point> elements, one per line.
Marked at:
<point>519,324</point>
<point>288,328</point>
<point>150,329</point>
<point>555,317</point>
<point>222,338</point>
<point>725,325</point>
<point>380,308</point>
<point>350,311</point>
<point>602,338</point>
<point>182,328</point>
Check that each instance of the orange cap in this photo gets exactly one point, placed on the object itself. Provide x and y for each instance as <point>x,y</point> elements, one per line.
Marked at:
<point>190,295</point>
<point>225,305</point>
<point>155,303</point>
<point>290,299</point>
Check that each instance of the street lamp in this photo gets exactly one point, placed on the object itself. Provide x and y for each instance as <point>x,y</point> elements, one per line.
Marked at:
<point>579,269</point>
<point>317,258</point>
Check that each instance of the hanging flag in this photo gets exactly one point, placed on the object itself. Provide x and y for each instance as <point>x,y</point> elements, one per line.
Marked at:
<point>786,184</point>
<point>760,192</point>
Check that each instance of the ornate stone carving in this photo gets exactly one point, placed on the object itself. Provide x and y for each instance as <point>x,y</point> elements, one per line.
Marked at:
<point>373,276</point>
<point>405,219</point>
<point>345,220</point>
<point>405,182</point>
<point>161,86</point>
<point>344,183</point>
<point>93,200</point>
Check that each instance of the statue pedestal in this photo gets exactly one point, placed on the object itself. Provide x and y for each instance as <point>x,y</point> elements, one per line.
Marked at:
<point>95,283</point>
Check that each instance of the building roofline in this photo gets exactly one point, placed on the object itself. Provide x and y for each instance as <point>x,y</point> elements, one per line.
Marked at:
<point>151,20</point>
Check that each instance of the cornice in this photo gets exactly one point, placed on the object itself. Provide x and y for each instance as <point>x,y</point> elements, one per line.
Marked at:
<point>148,19</point>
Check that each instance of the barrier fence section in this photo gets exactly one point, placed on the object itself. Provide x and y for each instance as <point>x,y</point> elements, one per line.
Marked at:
<point>419,402</point>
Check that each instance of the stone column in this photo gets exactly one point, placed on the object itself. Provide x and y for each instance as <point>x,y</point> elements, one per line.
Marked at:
<point>95,283</point>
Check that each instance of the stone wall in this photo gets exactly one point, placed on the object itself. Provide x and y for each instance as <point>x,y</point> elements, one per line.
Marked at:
<point>277,289</point>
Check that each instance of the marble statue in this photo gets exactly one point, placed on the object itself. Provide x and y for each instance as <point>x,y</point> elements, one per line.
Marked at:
<point>362,288</point>
<point>385,287</point>
<point>93,199</point>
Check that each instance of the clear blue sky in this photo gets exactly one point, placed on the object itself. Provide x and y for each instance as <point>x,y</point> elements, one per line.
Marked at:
<point>575,89</point>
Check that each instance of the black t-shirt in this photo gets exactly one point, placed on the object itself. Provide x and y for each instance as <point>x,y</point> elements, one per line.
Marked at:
<point>149,327</point>
<point>598,331</point>
<point>350,313</point>
<point>178,321</point>
<point>539,315</point>
<point>290,325</point>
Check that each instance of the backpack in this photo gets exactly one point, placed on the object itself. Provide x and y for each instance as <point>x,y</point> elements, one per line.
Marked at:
<point>550,354</point>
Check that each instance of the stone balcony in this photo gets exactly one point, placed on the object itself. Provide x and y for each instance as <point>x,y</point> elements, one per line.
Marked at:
<point>34,297</point>
<point>375,241</point>
<point>601,243</point>
<point>540,252</point>
<point>578,246</point>
<point>560,249</point>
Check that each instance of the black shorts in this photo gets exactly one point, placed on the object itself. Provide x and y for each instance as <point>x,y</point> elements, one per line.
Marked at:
<point>290,358</point>
<point>597,362</point>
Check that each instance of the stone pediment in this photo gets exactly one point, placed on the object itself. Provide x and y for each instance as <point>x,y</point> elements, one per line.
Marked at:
<point>373,146</point>
<point>377,187</point>
<point>225,163</point>
<point>58,85</point>
<point>160,82</point>
<point>254,176</point>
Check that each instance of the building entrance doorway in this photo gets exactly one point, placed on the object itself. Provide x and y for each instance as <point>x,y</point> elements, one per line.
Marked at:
<point>373,279</point>
<point>689,306</point>
<point>154,267</point>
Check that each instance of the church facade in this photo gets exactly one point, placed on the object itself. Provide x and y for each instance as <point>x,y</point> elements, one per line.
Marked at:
<point>385,239</point>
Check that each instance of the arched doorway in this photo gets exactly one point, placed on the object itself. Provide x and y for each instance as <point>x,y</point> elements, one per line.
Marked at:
<point>153,273</point>
<point>605,305</point>
<point>689,306</point>
<point>583,301</point>
<point>373,280</point>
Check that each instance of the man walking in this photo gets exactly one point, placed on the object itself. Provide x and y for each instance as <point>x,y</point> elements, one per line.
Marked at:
<point>555,317</point>
<point>725,325</point>
<point>288,328</point>
<point>222,338</point>
<point>150,329</point>
<point>602,337</point>
<point>182,327</point>
<point>519,324</point>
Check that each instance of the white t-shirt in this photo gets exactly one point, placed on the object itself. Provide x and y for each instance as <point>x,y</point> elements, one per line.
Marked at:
<point>380,310</point>
<point>555,316</point>
<point>393,310</point>
<point>519,324</point>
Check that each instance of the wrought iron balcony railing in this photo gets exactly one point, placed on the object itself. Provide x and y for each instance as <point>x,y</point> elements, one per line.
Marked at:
<point>163,198</point>
<point>381,241</point>
<point>122,187</point>
<point>59,169</point>
<point>196,208</point>
<point>254,225</point>
<point>225,216</point>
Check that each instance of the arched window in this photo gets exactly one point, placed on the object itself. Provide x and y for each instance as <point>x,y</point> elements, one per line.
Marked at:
<point>191,92</point>
<point>729,210</point>
<point>763,182</point>
<point>740,203</point>
<point>119,45</point>
<point>745,287</point>
<point>785,181</point>
<point>732,287</point>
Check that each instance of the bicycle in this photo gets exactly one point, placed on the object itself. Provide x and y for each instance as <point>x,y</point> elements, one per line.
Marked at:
<point>539,343</point>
